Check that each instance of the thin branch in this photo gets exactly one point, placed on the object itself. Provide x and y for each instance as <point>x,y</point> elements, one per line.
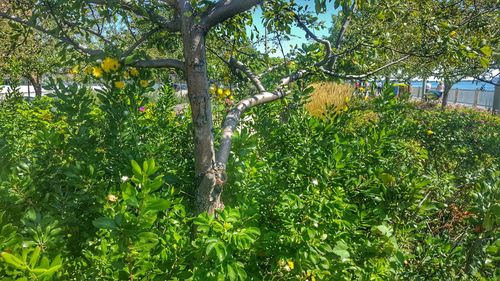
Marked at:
<point>326,43</point>
<point>172,25</point>
<point>340,38</point>
<point>140,41</point>
<point>362,76</point>
<point>487,81</point>
<point>225,9</point>
<point>243,68</point>
<point>159,63</point>
<point>433,55</point>
<point>271,69</point>
<point>62,38</point>
<point>60,21</point>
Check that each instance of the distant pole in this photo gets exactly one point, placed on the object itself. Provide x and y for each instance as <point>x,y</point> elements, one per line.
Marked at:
<point>496,99</point>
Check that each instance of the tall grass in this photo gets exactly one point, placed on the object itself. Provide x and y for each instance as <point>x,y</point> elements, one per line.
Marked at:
<point>328,96</point>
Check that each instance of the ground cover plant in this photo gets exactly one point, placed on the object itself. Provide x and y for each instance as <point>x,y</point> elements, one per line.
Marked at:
<point>96,186</point>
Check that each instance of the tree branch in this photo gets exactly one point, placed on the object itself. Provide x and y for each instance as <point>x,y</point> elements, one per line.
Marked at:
<point>233,117</point>
<point>171,26</point>
<point>340,38</point>
<point>326,43</point>
<point>62,38</point>
<point>225,9</point>
<point>361,76</point>
<point>140,41</point>
<point>159,63</point>
<point>243,68</point>
<point>487,81</point>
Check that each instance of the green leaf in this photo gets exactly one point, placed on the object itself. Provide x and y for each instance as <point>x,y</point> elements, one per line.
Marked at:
<point>34,257</point>
<point>50,271</point>
<point>487,51</point>
<point>13,260</point>
<point>136,169</point>
<point>220,251</point>
<point>383,230</point>
<point>387,179</point>
<point>105,223</point>
<point>340,250</point>
<point>156,205</point>
<point>128,191</point>
<point>155,184</point>
<point>485,63</point>
<point>231,273</point>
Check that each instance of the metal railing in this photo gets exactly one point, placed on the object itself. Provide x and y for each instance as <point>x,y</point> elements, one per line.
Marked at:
<point>474,98</point>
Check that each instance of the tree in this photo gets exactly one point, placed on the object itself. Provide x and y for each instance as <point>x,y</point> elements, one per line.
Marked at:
<point>447,39</point>
<point>100,28</point>
<point>27,54</point>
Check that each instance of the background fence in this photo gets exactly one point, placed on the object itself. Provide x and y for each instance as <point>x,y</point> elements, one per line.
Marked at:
<point>475,98</point>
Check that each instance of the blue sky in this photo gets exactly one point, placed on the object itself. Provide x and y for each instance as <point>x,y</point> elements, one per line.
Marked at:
<point>298,35</point>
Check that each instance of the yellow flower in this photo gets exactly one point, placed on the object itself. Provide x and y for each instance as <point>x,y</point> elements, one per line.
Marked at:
<point>220,92</point>
<point>290,264</point>
<point>144,83</point>
<point>126,75</point>
<point>313,278</point>
<point>366,97</point>
<point>110,64</point>
<point>134,72</point>
<point>97,72</point>
<point>347,99</point>
<point>120,84</point>
<point>453,33</point>
<point>429,132</point>
<point>227,92</point>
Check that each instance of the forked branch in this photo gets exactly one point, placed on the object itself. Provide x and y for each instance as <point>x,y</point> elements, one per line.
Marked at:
<point>225,9</point>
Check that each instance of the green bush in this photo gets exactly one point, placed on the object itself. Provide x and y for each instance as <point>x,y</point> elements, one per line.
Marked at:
<point>381,191</point>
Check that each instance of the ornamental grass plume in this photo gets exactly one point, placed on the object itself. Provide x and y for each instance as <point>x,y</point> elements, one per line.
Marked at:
<point>328,95</point>
<point>110,65</point>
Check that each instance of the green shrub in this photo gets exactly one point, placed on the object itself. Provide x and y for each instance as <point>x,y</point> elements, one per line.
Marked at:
<point>381,191</point>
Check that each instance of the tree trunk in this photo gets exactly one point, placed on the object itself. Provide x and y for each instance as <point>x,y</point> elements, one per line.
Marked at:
<point>209,185</point>
<point>37,85</point>
<point>447,88</point>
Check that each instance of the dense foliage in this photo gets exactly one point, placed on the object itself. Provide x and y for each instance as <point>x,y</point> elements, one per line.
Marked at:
<point>380,190</point>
